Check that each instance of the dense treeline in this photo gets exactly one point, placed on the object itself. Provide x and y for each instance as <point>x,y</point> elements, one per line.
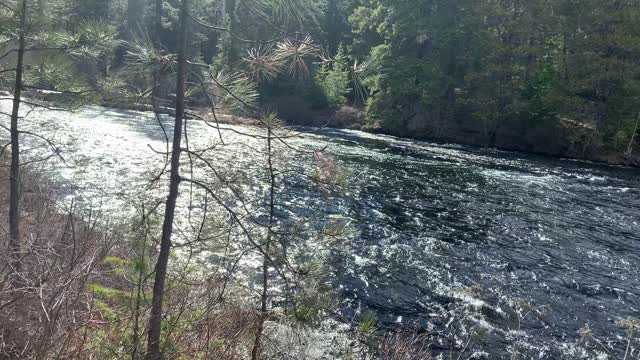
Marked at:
<point>558,77</point>
<point>552,76</point>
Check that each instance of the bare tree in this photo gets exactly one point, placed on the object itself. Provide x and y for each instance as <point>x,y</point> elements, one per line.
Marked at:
<point>14,202</point>
<point>255,353</point>
<point>155,320</point>
<point>45,316</point>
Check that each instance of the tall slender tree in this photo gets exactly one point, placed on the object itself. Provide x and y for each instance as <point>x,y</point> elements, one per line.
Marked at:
<point>57,54</point>
<point>155,320</point>
<point>269,122</point>
<point>14,202</point>
<point>157,21</point>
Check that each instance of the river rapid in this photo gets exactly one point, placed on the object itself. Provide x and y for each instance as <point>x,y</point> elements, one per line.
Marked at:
<point>501,251</point>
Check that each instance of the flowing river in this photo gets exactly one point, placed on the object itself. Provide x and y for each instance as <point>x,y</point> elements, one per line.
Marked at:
<point>502,250</point>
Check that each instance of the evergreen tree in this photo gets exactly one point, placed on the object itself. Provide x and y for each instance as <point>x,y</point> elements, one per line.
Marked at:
<point>46,58</point>
<point>597,81</point>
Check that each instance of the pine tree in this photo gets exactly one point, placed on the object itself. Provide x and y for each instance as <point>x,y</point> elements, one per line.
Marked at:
<point>53,69</point>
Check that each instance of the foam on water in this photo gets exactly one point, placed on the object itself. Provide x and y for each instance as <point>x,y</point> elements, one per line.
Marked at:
<point>457,242</point>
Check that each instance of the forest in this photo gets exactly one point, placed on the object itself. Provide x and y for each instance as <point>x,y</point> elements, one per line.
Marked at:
<point>229,234</point>
<point>552,77</point>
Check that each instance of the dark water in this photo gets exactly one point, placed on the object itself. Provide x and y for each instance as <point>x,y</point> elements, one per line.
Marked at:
<point>469,241</point>
<point>504,251</point>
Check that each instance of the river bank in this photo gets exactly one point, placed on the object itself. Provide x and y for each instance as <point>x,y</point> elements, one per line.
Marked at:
<point>554,139</point>
<point>101,299</point>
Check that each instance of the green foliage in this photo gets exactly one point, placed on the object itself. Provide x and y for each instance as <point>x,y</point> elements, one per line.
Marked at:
<point>504,64</point>
<point>114,90</point>
<point>227,52</point>
<point>286,11</point>
<point>369,324</point>
<point>233,92</point>
<point>334,80</point>
<point>294,55</point>
<point>314,94</point>
<point>107,312</point>
<point>314,298</point>
<point>58,73</point>
<point>107,293</point>
<point>262,65</point>
<point>119,265</point>
<point>61,61</point>
<point>143,56</point>
<point>419,67</point>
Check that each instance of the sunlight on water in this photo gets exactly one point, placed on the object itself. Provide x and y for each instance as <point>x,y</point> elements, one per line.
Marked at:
<point>451,240</point>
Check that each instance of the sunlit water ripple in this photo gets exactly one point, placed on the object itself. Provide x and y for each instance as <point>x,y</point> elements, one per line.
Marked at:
<point>451,240</point>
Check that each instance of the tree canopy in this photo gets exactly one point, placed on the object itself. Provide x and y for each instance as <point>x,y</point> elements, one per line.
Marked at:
<point>503,73</point>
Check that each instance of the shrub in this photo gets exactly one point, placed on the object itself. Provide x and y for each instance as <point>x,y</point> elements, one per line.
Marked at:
<point>334,80</point>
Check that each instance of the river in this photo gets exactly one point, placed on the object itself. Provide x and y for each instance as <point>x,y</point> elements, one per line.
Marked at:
<point>493,248</point>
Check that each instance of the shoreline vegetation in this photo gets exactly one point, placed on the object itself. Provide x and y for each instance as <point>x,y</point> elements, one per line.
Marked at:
<point>352,118</point>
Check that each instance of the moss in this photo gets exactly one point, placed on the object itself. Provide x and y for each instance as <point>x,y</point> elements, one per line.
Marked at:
<point>114,260</point>
<point>110,294</point>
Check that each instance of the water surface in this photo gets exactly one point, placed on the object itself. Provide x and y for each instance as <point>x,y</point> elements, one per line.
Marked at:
<point>498,248</point>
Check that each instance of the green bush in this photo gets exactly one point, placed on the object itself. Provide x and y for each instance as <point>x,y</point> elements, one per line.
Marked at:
<point>334,80</point>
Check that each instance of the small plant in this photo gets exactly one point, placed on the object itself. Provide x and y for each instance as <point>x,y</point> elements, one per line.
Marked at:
<point>524,309</point>
<point>586,333</point>
<point>369,324</point>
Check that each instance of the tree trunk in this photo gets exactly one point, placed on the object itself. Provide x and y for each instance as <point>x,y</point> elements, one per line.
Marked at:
<point>209,46</point>
<point>257,345</point>
<point>255,353</point>
<point>153,344</point>
<point>140,288</point>
<point>158,23</point>
<point>133,29</point>
<point>14,202</point>
<point>158,90</point>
